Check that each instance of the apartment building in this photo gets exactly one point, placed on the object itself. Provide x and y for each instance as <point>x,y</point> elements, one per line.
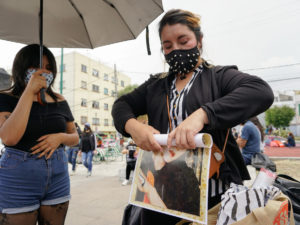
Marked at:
<point>90,89</point>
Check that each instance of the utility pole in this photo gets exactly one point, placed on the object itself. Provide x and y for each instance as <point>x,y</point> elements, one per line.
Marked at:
<point>116,96</point>
<point>116,81</point>
<point>61,71</point>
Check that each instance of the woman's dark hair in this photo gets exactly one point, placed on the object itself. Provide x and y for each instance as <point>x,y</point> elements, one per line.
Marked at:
<point>256,122</point>
<point>87,130</point>
<point>184,17</point>
<point>27,57</point>
<point>292,135</point>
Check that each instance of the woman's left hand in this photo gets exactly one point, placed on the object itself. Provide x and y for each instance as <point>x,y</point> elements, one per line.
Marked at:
<point>185,132</point>
<point>47,145</point>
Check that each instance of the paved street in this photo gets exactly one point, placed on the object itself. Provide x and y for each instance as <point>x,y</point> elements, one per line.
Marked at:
<point>99,199</point>
<point>283,152</point>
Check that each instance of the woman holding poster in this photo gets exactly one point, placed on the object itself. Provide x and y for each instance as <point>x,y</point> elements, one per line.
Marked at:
<point>194,96</point>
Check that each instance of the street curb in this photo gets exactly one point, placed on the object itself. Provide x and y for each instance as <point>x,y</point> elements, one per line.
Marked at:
<point>283,158</point>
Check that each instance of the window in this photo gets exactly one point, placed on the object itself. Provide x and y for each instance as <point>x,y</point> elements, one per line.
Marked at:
<point>122,83</point>
<point>105,122</point>
<point>95,88</point>
<point>83,102</point>
<point>105,76</point>
<point>83,84</point>
<point>105,106</point>
<point>105,91</point>
<point>63,67</point>
<point>114,80</point>
<point>95,73</point>
<point>83,119</point>
<point>83,68</point>
<point>113,93</point>
<point>95,121</point>
<point>95,105</point>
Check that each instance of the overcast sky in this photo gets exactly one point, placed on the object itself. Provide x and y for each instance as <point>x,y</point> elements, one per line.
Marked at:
<point>250,34</point>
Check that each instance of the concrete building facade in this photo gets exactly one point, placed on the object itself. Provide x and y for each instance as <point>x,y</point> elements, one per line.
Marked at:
<point>90,89</point>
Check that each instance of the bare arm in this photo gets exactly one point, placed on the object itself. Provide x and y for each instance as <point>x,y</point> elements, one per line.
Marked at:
<point>241,142</point>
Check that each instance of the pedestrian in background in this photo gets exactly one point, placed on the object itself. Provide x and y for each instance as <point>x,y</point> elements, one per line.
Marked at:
<point>87,147</point>
<point>249,141</point>
<point>131,155</point>
<point>73,151</point>
<point>290,142</point>
<point>34,178</point>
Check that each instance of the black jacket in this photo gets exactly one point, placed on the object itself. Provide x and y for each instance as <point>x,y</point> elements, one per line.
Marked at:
<point>227,95</point>
<point>88,142</point>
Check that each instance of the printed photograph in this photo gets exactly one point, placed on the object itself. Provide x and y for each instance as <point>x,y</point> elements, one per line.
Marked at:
<point>173,182</point>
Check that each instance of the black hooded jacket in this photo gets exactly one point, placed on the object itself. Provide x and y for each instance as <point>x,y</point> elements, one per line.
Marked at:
<point>227,95</point>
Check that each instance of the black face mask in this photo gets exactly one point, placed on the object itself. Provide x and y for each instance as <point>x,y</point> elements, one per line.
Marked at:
<point>182,61</point>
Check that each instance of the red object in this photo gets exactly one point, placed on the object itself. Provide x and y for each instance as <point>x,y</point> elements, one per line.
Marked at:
<point>276,143</point>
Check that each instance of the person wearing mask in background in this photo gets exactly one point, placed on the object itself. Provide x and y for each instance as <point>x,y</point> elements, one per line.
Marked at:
<point>290,142</point>
<point>249,141</point>
<point>34,178</point>
<point>87,147</point>
<point>194,96</point>
<point>73,151</point>
<point>131,155</point>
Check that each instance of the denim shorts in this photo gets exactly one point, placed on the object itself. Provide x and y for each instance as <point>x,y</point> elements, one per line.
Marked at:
<point>27,182</point>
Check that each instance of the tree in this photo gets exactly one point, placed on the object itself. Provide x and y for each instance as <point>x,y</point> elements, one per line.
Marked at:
<point>127,89</point>
<point>280,116</point>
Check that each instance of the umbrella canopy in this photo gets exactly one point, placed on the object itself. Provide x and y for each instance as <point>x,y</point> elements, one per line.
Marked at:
<point>76,23</point>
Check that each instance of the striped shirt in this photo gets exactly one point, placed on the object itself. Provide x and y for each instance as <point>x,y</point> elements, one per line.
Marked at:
<point>178,113</point>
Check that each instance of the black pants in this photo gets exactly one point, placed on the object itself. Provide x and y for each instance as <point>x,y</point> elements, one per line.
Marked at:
<point>130,166</point>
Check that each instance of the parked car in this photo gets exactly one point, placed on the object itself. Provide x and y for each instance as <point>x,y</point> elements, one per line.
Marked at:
<point>274,141</point>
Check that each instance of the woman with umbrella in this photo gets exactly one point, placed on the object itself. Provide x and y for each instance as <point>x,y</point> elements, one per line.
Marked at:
<point>35,185</point>
<point>192,97</point>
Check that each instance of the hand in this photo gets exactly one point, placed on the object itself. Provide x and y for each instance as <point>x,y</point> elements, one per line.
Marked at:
<point>142,135</point>
<point>47,145</point>
<point>37,82</point>
<point>185,132</point>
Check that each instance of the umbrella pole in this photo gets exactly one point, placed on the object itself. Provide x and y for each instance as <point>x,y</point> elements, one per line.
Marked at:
<point>41,95</point>
<point>41,32</point>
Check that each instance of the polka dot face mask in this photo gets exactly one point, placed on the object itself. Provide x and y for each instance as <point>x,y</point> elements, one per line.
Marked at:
<point>48,76</point>
<point>182,61</point>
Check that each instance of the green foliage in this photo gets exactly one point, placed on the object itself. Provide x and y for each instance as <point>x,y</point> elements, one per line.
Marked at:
<point>280,116</point>
<point>127,89</point>
<point>281,132</point>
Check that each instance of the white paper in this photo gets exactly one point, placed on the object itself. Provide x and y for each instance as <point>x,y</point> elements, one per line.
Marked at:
<point>202,140</point>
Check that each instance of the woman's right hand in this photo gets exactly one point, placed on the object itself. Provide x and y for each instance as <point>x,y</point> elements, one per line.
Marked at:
<point>37,82</point>
<point>142,134</point>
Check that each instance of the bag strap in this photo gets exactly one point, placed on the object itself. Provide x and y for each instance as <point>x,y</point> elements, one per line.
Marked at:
<point>223,150</point>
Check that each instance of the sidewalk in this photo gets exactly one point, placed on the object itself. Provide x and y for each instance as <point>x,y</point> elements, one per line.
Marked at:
<point>99,199</point>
